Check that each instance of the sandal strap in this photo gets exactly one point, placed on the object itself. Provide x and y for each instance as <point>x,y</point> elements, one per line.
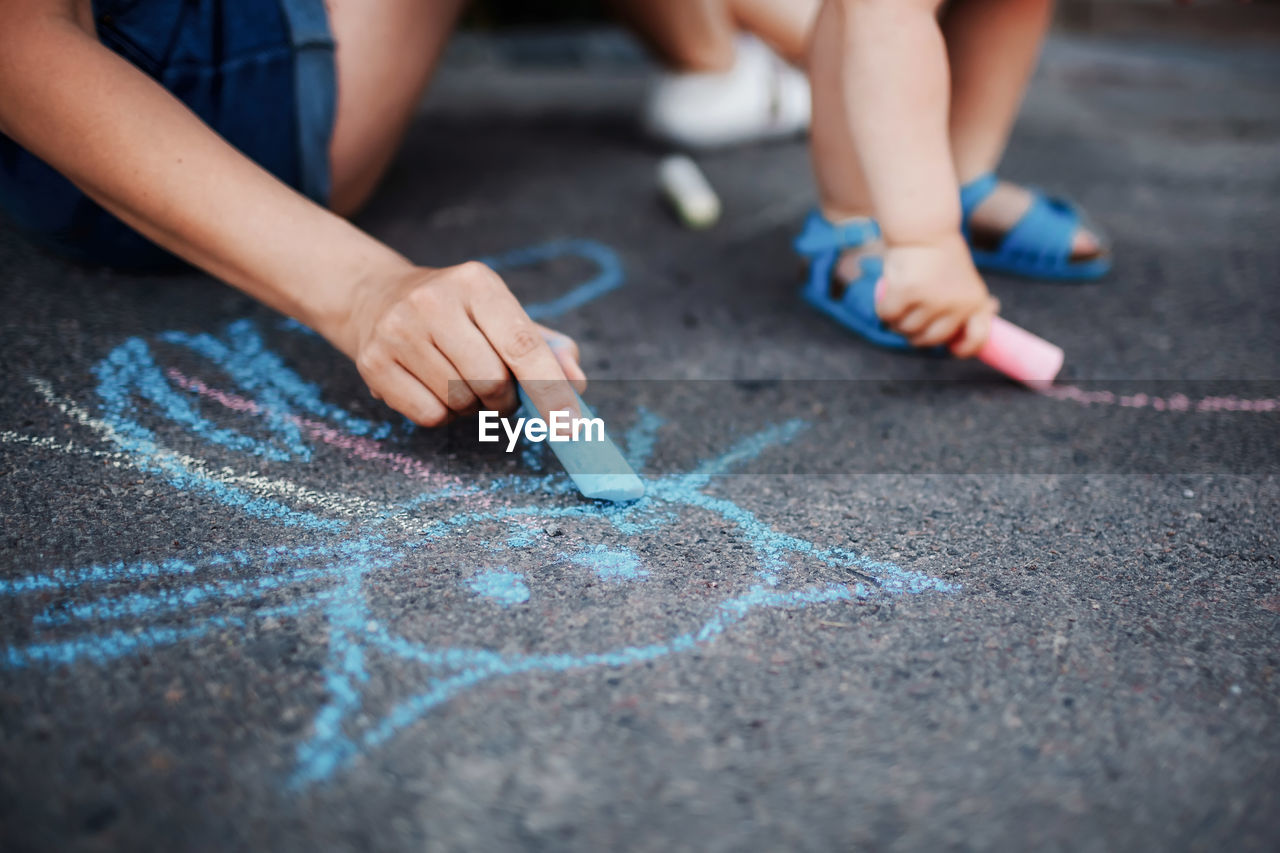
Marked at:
<point>975,193</point>
<point>1044,234</point>
<point>820,236</point>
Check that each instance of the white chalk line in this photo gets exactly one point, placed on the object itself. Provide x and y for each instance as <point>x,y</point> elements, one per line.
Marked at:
<point>343,506</point>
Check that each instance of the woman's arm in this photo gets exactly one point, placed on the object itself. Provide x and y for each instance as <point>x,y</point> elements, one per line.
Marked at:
<point>140,153</point>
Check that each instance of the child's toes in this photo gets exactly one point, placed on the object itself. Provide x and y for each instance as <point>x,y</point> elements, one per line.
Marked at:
<point>1085,245</point>
<point>849,267</point>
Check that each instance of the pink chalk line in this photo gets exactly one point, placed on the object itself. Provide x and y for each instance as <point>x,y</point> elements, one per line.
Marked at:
<point>361,448</point>
<point>1172,403</point>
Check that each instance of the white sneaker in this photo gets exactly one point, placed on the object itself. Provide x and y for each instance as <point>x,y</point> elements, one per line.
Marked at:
<point>761,97</point>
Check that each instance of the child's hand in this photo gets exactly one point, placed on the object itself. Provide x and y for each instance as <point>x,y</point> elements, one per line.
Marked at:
<point>435,343</point>
<point>933,295</point>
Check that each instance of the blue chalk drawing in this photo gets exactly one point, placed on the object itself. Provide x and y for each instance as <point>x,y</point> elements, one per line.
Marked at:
<point>610,275</point>
<point>501,585</point>
<point>97,614</point>
<point>611,564</point>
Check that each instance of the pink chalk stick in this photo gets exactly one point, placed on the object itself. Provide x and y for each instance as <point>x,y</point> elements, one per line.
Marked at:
<point>1015,352</point>
<point>1020,355</point>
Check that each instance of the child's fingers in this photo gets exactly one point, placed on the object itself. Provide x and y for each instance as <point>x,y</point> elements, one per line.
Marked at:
<point>891,302</point>
<point>915,321</point>
<point>938,332</point>
<point>973,335</point>
<point>402,391</point>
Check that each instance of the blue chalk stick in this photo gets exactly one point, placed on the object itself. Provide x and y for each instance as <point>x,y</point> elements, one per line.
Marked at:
<point>597,468</point>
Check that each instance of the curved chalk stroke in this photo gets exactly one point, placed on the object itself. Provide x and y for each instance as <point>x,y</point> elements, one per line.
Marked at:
<point>610,275</point>
<point>339,540</point>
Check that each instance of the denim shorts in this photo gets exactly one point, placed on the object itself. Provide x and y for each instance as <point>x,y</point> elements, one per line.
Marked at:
<point>259,72</point>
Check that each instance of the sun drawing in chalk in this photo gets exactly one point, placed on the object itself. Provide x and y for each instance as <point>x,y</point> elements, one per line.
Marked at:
<point>551,582</point>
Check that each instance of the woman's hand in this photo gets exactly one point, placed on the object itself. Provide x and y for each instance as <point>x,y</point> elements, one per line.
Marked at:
<point>436,343</point>
<point>933,295</point>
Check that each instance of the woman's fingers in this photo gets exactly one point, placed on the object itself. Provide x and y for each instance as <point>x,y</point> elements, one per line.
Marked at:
<point>565,349</point>
<point>402,391</point>
<point>422,357</point>
<point>520,345</point>
<point>472,356</point>
<point>450,341</point>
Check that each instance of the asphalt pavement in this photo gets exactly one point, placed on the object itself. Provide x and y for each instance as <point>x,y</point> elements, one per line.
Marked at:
<point>872,601</point>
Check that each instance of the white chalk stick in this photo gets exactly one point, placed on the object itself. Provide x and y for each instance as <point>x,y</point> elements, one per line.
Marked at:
<point>688,191</point>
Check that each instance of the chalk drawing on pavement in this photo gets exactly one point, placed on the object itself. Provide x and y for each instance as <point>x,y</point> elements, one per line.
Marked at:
<point>345,550</point>
<point>257,441</point>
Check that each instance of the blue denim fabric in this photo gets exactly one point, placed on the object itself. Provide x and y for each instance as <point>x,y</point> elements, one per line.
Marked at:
<point>259,72</point>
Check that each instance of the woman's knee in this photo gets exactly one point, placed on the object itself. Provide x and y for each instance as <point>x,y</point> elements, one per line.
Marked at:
<point>384,61</point>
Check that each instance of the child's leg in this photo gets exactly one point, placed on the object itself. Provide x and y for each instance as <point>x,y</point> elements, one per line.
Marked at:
<point>842,188</point>
<point>384,61</point>
<point>880,111</point>
<point>993,46</point>
<point>881,146</point>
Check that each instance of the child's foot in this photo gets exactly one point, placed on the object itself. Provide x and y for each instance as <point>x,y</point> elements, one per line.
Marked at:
<point>1008,203</point>
<point>1012,229</point>
<point>849,267</point>
<point>845,264</point>
<point>760,97</point>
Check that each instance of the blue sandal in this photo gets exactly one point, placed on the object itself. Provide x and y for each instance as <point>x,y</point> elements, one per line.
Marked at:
<point>821,243</point>
<point>1038,246</point>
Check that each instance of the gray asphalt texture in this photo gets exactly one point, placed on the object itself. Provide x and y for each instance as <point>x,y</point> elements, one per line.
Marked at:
<point>1091,666</point>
